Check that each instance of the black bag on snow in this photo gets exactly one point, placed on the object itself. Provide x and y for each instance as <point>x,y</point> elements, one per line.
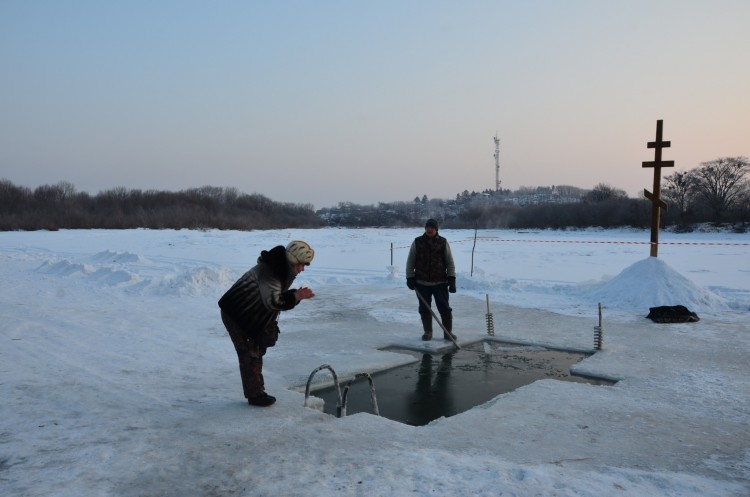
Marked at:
<point>672,314</point>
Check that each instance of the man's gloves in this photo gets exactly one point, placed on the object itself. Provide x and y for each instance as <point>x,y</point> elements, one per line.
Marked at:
<point>452,284</point>
<point>411,283</point>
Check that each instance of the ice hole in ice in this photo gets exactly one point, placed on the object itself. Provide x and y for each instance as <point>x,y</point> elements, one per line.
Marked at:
<point>448,383</point>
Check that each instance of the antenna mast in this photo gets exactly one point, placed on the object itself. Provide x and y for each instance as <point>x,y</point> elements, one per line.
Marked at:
<point>497,163</point>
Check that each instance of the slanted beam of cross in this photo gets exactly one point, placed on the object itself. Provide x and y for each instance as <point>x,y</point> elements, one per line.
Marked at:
<point>655,197</point>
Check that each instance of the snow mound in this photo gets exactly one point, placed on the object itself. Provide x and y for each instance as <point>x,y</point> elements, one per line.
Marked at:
<point>122,257</point>
<point>64,268</point>
<point>114,277</point>
<point>651,283</point>
<point>195,281</point>
<point>104,276</point>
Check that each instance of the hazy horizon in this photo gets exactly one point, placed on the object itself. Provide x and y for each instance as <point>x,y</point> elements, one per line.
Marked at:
<point>330,101</point>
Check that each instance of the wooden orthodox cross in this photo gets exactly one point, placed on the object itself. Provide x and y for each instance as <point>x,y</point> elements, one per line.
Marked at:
<point>655,197</point>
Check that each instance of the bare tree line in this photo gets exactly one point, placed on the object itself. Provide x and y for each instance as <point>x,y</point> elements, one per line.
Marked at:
<point>717,191</point>
<point>60,206</point>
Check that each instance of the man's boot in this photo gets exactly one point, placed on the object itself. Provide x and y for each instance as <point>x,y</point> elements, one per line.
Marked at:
<point>447,320</point>
<point>426,326</point>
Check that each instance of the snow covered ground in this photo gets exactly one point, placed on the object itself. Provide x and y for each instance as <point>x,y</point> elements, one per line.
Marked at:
<point>118,379</point>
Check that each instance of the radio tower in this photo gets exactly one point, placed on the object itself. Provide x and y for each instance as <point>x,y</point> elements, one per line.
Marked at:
<point>497,163</point>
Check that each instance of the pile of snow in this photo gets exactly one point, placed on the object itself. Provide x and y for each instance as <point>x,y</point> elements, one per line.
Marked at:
<point>652,283</point>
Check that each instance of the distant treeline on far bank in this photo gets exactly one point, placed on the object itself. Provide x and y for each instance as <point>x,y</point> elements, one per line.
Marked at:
<point>717,192</point>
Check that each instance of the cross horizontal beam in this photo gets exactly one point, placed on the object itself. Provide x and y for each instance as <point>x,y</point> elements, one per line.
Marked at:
<point>659,144</point>
<point>661,163</point>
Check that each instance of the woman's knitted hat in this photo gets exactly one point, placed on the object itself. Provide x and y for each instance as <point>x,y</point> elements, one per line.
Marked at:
<point>299,252</point>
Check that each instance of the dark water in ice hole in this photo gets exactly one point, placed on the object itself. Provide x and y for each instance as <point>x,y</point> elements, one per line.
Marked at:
<point>447,384</point>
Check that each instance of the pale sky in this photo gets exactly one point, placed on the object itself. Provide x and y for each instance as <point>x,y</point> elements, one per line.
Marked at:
<point>327,101</point>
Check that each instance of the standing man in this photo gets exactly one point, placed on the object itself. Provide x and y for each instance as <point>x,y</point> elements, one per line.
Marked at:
<point>431,272</point>
<point>250,311</point>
